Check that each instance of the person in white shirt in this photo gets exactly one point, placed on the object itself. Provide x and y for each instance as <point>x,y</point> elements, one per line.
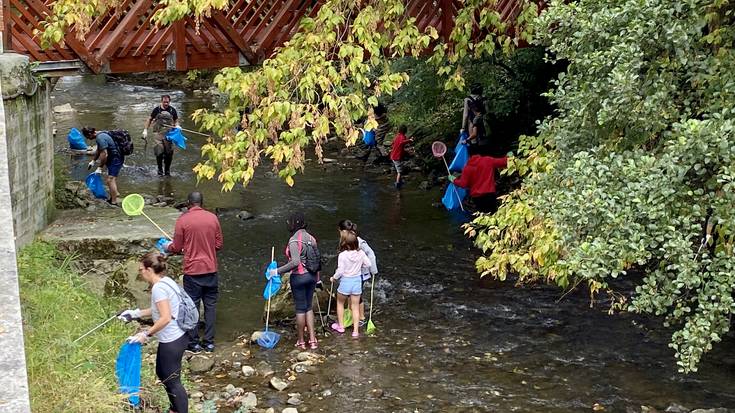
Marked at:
<point>349,271</point>
<point>172,340</point>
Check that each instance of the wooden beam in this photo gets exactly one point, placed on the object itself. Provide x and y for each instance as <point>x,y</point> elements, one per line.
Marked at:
<point>233,35</point>
<point>180,44</point>
<point>159,42</point>
<point>70,38</point>
<point>5,25</point>
<point>279,21</point>
<point>118,35</point>
<point>217,35</point>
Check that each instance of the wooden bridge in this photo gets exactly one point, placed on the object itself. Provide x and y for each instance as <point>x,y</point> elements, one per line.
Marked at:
<point>125,40</point>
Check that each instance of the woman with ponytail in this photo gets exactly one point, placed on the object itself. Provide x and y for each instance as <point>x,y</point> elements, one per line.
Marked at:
<point>172,340</point>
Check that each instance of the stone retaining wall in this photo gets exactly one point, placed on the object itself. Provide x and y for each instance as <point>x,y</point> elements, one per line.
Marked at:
<point>14,380</point>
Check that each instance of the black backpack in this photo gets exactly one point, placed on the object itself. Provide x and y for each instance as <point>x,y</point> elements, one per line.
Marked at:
<point>313,260</point>
<point>123,141</point>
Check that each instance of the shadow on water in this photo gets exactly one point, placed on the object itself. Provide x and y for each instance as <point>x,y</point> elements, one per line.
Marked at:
<point>447,341</point>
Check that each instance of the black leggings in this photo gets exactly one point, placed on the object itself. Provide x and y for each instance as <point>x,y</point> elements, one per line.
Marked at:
<point>302,288</point>
<point>168,370</point>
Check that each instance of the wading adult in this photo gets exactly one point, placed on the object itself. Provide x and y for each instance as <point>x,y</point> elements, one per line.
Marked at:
<point>172,340</point>
<point>302,281</point>
<point>108,156</point>
<point>479,177</point>
<point>475,96</point>
<point>162,119</point>
<point>478,137</point>
<point>198,235</point>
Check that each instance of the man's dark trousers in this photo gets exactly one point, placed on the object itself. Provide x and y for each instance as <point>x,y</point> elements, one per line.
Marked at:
<point>203,288</point>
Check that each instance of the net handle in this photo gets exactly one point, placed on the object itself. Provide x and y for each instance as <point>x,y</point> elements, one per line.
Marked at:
<point>156,225</point>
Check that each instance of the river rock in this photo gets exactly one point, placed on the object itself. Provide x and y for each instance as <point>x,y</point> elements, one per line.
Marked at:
<point>264,369</point>
<point>305,356</point>
<point>245,215</point>
<point>197,395</point>
<point>425,185</point>
<point>677,408</point>
<point>294,399</point>
<point>200,364</point>
<point>249,401</point>
<point>327,393</point>
<point>231,390</point>
<point>64,109</point>
<point>302,366</point>
<point>278,384</point>
<point>255,336</point>
<point>290,410</point>
<point>715,410</point>
<point>248,371</point>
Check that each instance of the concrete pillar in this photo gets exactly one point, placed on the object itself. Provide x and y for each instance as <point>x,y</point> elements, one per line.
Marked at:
<point>14,380</point>
<point>29,146</point>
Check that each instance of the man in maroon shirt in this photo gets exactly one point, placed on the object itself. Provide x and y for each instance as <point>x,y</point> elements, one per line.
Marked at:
<point>198,236</point>
<point>479,177</point>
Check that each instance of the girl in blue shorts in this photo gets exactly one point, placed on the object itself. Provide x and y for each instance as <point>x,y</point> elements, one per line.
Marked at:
<point>349,271</point>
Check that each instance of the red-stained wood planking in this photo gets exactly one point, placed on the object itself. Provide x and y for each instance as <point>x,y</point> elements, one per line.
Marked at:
<point>126,40</point>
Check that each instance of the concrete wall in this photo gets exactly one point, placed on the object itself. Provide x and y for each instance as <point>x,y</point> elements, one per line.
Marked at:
<point>13,380</point>
<point>30,147</point>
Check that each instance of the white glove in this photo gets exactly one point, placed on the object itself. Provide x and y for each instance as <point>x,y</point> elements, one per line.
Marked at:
<point>129,315</point>
<point>272,273</point>
<point>145,133</point>
<point>141,338</point>
<point>98,170</point>
<point>90,164</point>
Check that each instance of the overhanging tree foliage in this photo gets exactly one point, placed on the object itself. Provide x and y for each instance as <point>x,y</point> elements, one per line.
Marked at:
<point>635,170</point>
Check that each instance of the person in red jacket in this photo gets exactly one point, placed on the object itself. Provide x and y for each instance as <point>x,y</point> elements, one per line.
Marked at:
<point>398,153</point>
<point>198,236</point>
<point>478,176</point>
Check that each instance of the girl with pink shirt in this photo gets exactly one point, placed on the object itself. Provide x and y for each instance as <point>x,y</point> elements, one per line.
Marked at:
<point>349,271</point>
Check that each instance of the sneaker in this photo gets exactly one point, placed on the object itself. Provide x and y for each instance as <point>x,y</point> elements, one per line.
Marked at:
<point>363,322</point>
<point>209,348</point>
<point>196,348</point>
<point>160,173</point>
<point>355,334</point>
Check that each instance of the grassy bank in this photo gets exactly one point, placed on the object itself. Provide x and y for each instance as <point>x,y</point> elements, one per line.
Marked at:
<point>57,309</point>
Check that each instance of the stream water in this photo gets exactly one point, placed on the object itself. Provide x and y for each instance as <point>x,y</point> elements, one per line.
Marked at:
<point>446,340</point>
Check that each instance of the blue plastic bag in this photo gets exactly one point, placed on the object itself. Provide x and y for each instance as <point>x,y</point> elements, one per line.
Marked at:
<point>453,197</point>
<point>127,370</point>
<point>96,185</point>
<point>461,154</point>
<point>368,138</point>
<point>76,140</point>
<point>175,136</point>
<point>274,283</point>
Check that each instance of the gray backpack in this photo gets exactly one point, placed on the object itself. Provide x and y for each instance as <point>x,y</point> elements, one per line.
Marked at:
<point>188,316</point>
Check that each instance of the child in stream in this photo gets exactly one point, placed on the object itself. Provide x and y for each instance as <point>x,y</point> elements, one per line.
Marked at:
<point>367,272</point>
<point>350,263</point>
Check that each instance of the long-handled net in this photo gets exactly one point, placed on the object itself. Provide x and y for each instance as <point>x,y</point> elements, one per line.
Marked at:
<point>133,205</point>
<point>438,149</point>
<point>269,339</point>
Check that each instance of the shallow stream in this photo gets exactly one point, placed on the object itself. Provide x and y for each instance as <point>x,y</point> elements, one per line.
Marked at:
<point>447,342</point>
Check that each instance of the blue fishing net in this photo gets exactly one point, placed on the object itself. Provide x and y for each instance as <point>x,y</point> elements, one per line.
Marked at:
<point>453,197</point>
<point>127,370</point>
<point>76,140</point>
<point>274,284</point>
<point>175,136</point>
<point>96,185</point>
